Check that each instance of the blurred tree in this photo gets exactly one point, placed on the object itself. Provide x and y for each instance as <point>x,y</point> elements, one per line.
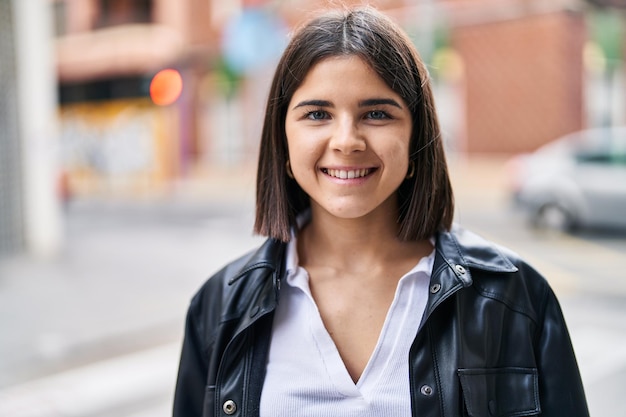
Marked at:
<point>228,79</point>
<point>607,29</point>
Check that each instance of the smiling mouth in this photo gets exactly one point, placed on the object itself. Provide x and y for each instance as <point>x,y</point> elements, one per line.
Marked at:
<point>347,174</point>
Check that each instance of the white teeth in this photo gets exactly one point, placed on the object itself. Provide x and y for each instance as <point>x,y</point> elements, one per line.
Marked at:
<point>355,173</point>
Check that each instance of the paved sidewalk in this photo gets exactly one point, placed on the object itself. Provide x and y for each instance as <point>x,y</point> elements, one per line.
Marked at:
<point>97,330</point>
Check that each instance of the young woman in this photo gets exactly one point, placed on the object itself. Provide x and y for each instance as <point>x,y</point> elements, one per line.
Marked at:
<point>365,300</point>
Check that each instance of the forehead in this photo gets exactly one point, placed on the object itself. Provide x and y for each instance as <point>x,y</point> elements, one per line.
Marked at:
<point>342,76</point>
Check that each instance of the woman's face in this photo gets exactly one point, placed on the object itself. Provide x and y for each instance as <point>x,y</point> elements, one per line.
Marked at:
<point>348,136</point>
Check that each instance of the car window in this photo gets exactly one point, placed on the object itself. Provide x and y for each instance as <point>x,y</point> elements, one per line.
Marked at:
<point>602,158</point>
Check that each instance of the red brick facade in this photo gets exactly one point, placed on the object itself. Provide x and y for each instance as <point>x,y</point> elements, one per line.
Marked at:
<point>523,80</point>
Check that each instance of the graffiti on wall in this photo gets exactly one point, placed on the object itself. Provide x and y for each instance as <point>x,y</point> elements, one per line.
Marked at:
<point>109,144</point>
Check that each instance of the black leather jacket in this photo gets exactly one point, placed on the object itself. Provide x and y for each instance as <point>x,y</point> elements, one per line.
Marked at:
<point>492,342</point>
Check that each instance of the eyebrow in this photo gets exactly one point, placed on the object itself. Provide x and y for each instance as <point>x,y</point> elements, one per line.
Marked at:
<point>314,103</point>
<point>378,102</point>
<point>363,103</point>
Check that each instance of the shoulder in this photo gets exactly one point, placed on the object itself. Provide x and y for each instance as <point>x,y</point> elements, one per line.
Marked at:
<point>226,292</point>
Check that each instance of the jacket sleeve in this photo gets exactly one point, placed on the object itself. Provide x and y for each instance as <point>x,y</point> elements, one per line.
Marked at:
<point>561,391</point>
<point>192,372</point>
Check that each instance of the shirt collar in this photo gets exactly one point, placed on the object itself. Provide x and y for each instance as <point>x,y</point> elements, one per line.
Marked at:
<point>291,253</point>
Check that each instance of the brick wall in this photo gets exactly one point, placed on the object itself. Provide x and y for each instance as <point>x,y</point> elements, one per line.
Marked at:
<point>524,80</point>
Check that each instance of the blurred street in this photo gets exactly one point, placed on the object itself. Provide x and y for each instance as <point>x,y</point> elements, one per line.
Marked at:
<point>96,332</point>
<point>145,116</point>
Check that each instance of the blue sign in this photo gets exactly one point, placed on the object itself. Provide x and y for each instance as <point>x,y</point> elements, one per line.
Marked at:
<point>253,40</point>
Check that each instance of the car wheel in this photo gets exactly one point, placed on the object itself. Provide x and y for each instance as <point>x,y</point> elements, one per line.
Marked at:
<point>553,217</point>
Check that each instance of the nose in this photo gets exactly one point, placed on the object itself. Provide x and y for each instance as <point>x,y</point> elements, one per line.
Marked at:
<point>346,137</point>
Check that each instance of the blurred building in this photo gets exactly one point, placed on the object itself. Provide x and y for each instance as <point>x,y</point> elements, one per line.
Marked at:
<point>114,138</point>
<point>523,72</point>
<point>516,67</point>
<point>509,76</point>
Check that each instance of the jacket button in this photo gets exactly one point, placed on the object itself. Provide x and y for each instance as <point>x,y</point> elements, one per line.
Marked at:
<point>229,407</point>
<point>426,390</point>
<point>434,289</point>
<point>255,311</point>
<point>459,269</point>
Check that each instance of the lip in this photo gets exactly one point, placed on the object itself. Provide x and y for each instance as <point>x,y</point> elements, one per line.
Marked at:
<point>351,174</point>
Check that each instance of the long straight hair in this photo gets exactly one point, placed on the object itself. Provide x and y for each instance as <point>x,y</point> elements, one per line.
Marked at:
<point>426,202</point>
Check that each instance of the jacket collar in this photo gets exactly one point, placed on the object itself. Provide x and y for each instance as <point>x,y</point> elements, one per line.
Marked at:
<point>457,248</point>
<point>462,247</point>
<point>256,285</point>
<point>269,255</point>
<point>457,253</point>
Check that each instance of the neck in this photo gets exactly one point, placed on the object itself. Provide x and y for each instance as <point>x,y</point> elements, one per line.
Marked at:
<point>361,243</point>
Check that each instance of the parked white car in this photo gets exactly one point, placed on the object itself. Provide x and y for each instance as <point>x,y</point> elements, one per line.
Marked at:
<point>578,180</point>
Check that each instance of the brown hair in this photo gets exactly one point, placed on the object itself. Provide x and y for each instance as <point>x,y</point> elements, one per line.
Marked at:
<point>426,202</point>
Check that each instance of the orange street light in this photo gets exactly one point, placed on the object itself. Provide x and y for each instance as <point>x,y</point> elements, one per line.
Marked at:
<point>165,87</point>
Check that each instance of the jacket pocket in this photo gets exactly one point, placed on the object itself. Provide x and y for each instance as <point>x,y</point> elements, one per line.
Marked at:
<point>208,408</point>
<point>500,392</point>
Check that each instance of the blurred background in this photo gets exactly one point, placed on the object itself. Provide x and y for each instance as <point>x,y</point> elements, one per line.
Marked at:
<point>128,141</point>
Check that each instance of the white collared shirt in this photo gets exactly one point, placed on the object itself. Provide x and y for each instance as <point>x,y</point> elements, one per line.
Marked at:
<point>306,376</point>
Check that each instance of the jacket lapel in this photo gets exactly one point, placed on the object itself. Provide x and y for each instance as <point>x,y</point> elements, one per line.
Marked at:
<point>457,253</point>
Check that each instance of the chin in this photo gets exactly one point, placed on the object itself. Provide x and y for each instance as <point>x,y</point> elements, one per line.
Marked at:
<point>348,213</point>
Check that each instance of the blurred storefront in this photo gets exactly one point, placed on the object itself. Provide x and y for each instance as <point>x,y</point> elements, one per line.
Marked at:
<point>120,146</point>
<point>115,136</point>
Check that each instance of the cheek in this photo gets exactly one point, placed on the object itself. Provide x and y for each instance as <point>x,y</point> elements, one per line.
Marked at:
<point>302,160</point>
<point>398,155</point>
<point>396,161</point>
<point>396,143</point>
<point>303,147</point>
